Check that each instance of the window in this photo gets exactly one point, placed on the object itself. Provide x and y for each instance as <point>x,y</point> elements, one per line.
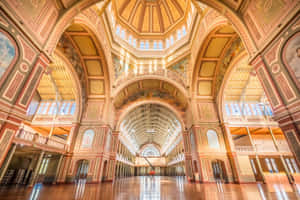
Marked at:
<point>269,165</point>
<point>87,139</point>
<point>53,105</point>
<point>269,110</point>
<point>295,165</point>
<point>73,108</point>
<point>134,42</point>
<point>160,45</point>
<point>150,151</point>
<point>178,34</point>
<point>212,139</point>
<point>147,45</point>
<point>167,43</point>
<point>274,165</point>
<point>32,108</point>
<point>41,108</point>
<point>130,39</point>
<point>142,46</point>
<point>154,45</point>
<point>67,108</point>
<point>45,108</point>
<point>7,52</point>
<point>118,30</point>
<point>287,160</point>
<point>227,109</point>
<point>246,109</point>
<point>258,110</point>
<point>172,39</point>
<point>183,31</point>
<point>61,111</point>
<point>235,109</point>
<point>56,107</point>
<point>254,111</point>
<point>123,34</point>
<point>253,166</point>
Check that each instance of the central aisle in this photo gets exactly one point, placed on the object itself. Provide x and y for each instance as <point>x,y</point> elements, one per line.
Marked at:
<point>150,188</point>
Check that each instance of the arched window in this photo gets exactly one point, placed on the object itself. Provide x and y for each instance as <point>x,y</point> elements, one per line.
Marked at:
<point>150,151</point>
<point>212,139</point>
<point>7,53</point>
<point>87,139</point>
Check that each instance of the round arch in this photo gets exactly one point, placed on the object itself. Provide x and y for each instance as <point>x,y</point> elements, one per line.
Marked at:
<point>221,7</point>
<point>134,105</point>
<point>76,83</point>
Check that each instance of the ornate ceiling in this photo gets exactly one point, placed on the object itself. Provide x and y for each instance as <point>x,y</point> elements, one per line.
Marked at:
<point>151,17</point>
<point>243,84</point>
<point>58,79</point>
<point>150,89</point>
<point>150,123</point>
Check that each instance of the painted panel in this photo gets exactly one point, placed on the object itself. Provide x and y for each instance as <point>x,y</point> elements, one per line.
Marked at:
<point>87,140</point>
<point>7,53</point>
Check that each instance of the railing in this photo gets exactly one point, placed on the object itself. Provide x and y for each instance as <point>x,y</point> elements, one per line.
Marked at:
<point>244,148</point>
<point>159,72</point>
<point>42,140</point>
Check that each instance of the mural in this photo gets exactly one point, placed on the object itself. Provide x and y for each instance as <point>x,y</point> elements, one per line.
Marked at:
<point>180,67</point>
<point>121,66</point>
<point>87,139</point>
<point>291,56</point>
<point>267,10</point>
<point>7,53</point>
<point>212,139</point>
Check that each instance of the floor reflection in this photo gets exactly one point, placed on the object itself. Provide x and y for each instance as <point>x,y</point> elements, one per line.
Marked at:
<point>152,188</point>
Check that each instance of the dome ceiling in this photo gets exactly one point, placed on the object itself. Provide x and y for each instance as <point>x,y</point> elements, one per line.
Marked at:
<point>150,123</point>
<point>151,17</point>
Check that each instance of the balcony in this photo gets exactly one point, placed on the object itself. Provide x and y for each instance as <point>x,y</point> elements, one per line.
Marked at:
<point>52,144</point>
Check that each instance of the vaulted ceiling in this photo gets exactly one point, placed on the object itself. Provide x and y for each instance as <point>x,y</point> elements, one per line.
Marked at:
<point>151,17</point>
<point>57,80</point>
<point>243,84</point>
<point>150,123</point>
<point>151,89</point>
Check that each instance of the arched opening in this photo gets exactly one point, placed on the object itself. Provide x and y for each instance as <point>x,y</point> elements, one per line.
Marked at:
<point>219,171</point>
<point>82,170</point>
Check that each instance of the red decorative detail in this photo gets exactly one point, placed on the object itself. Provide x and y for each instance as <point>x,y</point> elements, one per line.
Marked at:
<point>275,68</point>
<point>14,85</point>
<point>285,87</point>
<point>28,52</point>
<point>272,55</point>
<point>24,67</point>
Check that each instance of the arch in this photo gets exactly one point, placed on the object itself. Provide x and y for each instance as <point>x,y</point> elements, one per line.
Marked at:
<point>290,55</point>
<point>150,150</point>
<point>82,168</point>
<point>76,83</point>
<point>221,7</point>
<point>117,90</point>
<point>213,139</point>
<point>10,56</point>
<point>208,70</point>
<point>129,108</point>
<point>229,71</point>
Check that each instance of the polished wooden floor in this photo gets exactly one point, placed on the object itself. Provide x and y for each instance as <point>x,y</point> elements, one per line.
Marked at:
<point>152,188</point>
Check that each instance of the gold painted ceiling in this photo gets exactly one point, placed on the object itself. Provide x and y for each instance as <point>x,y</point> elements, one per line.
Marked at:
<point>151,17</point>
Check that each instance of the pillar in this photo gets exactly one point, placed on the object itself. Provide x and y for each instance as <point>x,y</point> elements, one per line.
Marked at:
<point>187,156</point>
<point>8,160</point>
<point>256,156</point>
<point>58,168</point>
<point>36,170</point>
<point>113,155</point>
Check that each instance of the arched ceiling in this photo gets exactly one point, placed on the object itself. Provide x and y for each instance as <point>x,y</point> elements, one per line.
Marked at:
<point>57,80</point>
<point>151,17</point>
<point>219,48</point>
<point>82,49</point>
<point>243,84</point>
<point>150,89</point>
<point>150,123</point>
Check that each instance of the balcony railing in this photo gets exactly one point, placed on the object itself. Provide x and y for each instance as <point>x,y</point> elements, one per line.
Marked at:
<point>44,141</point>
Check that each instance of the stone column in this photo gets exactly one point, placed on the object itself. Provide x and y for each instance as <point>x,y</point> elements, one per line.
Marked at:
<point>8,160</point>
<point>36,170</point>
<point>113,155</point>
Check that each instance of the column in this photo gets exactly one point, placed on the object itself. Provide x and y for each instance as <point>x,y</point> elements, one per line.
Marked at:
<point>8,160</point>
<point>113,155</point>
<point>36,170</point>
<point>231,153</point>
<point>187,155</point>
<point>256,155</point>
<point>58,168</point>
<point>281,157</point>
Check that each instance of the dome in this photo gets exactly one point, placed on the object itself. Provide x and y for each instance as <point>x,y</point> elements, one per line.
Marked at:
<point>150,18</point>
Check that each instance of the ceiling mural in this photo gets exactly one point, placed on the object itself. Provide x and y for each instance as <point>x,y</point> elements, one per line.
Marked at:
<point>151,17</point>
<point>181,67</point>
<point>150,89</point>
